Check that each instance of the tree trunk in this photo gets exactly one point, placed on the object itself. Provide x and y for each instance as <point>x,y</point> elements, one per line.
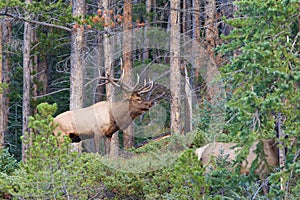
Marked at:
<point>34,70</point>
<point>112,146</point>
<point>175,67</point>
<point>2,128</point>
<point>26,85</point>
<point>77,63</point>
<point>5,78</point>
<point>187,8</point>
<point>281,146</point>
<point>188,102</point>
<point>42,76</point>
<point>211,30</point>
<point>128,134</point>
<point>147,25</point>
<point>196,38</point>
<point>99,92</point>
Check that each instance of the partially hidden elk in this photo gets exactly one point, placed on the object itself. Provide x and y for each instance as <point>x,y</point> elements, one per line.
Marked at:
<point>229,150</point>
<point>104,118</point>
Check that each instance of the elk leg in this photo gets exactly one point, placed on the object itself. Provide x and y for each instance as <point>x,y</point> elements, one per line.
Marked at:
<point>97,143</point>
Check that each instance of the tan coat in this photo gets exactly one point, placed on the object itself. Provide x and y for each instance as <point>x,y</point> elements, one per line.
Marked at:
<point>212,150</point>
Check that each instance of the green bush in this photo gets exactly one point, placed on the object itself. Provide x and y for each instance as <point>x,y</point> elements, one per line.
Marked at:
<point>182,180</point>
<point>51,172</point>
<point>8,163</point>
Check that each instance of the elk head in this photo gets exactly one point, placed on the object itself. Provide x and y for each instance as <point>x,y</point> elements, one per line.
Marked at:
<point>135,104</point>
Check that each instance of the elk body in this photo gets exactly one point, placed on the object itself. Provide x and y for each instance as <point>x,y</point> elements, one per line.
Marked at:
<point>270,150</point>
<point>104,118</point>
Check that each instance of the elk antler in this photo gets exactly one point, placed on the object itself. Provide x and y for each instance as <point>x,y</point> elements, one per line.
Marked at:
<point>144,89</point>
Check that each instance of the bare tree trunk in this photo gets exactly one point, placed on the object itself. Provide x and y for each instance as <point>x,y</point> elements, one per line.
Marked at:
<point>281,149</point>
<point>186,29</point>
<point>212,36</point>
<point>34,70</point>
<point>147,22</point>
<point>77,63</point>
<point>26,84</point>
<point>188,103</point>
<point>184,16</point>
<point>2,128</point>
<point>175,67</point>
<point>196,37</point>
<point>99,92</point>
<point>128,134</point>
<point>112,146</point>
<point>6,39</point>
<point>211,30</point>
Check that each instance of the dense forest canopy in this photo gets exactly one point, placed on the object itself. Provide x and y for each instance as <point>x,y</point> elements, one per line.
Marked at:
<point>216,71</point>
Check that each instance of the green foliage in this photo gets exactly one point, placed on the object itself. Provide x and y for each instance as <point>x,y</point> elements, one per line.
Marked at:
<point>8,163</point>
<point>263,76</point>
<point>61,11</point>
<point>51,171</point>
<point>56,173</point>
<point>2,87</point>
<point>50,48</point>
<point>223,182</point>
<point>289,177</point>
<point>182,180</point>
<point>200,138</point>
<point>188,181</point>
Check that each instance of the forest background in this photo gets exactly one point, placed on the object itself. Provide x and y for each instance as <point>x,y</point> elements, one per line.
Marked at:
<point>240,60</point>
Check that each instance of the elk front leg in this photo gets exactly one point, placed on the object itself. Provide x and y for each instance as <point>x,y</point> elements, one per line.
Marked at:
<point>97,143</point>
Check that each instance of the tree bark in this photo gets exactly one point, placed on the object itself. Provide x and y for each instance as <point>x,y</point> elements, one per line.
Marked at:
<point>188,103</point>
<point>26,85</point>
<point>1,92</point>
<point>281,146</point>
<point>34,70</point>
<point>112,146</point>
<point>147,25</point>
<point>42,75</point>
<point>77,63</point>
<point>212,36</point>
<point>5,78</point>
<point>99,92</point>
<point>175,67</point>
<point>211,30</point>
<point>128,134</point>
<point>196,38</point>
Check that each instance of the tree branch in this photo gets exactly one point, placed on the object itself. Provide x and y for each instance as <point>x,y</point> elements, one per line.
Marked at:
<point>48,94</point>
<point>36,22</point>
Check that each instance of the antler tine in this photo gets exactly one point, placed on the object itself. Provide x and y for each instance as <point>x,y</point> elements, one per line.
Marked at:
<point>114,81</point>
<point>146,88</point>
<point>137,83</point>
<point>124,86</point>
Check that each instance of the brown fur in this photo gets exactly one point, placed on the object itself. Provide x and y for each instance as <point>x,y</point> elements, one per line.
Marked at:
<point>103,118</point>
<point>210,150</point>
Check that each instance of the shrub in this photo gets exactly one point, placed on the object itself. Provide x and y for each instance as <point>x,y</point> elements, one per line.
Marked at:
<point>51,172</point>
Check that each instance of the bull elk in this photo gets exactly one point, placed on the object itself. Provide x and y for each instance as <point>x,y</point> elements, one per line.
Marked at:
<point>104,118</point>
<point>270,151</point>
